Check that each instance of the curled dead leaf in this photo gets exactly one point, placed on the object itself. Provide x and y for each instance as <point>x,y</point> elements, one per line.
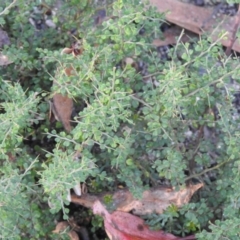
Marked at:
<point>62,107</point>
<point>66,51</point>
<point>75,50</point>
<point>60,227</point>
<point>152,201</point>
<point>125,226</point>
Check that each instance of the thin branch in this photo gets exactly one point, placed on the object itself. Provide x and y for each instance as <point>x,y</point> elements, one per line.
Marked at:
<point>207,170</point>
<point>7,8</point>
<point>31,166</point>
<point>140,100</point>
<point>211,83</point>
<point>152,75</point>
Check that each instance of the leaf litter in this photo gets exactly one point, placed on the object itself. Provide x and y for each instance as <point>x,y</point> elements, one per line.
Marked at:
<point>120,224</point>
<point>125,226</point>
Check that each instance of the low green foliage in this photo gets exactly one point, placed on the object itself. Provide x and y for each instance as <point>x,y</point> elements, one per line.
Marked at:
<point>132,130</point>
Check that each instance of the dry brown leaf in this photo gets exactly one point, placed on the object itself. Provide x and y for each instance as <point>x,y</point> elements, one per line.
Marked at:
<point>62,226</point>
<point>62,107</point>
<point>66,51</point>
<point>176,13</point>
<point>86,200</point>
<point>153,200</point>
<point>198,20</point>
<point>233,33</point>
<point>156,200</point>
<point>125,226</point>
<point>174,34</point>
<point>73,235</point>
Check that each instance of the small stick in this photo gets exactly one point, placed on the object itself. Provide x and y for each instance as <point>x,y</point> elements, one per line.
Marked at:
<point>8,7</point>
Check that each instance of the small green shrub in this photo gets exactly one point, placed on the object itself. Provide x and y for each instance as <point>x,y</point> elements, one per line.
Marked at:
<point>132,130</point>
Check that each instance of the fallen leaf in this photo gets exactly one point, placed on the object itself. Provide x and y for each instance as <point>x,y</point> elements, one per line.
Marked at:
<point>66,51</point>
<point>174,34</point>
<point>86,200</point>
<point>75,50</point>
<point>198,20</point>
<point>125,226</point>
<point>152,201</point>
<point>62,107</point>
<point>155,200</point>
<point>176,13</point>
<point>73,235</point>
<point>62,226</point>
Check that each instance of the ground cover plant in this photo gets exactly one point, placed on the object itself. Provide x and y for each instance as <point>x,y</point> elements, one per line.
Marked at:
<point>140,118</point>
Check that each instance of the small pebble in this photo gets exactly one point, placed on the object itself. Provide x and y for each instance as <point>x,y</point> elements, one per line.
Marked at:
<point>142,31</point>
<point>50,23</point>
<point>199,2</point>
<point>163,51</point>
<point>4,39</point>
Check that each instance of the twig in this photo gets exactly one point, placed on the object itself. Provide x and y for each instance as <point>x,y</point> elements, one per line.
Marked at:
<point>207,170</point>
<point>234,33</point>
<point>152,75</point>
<point>31,166</point>
<point>192,162</point>
<point>7,8</point>
<point>140,100</point>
